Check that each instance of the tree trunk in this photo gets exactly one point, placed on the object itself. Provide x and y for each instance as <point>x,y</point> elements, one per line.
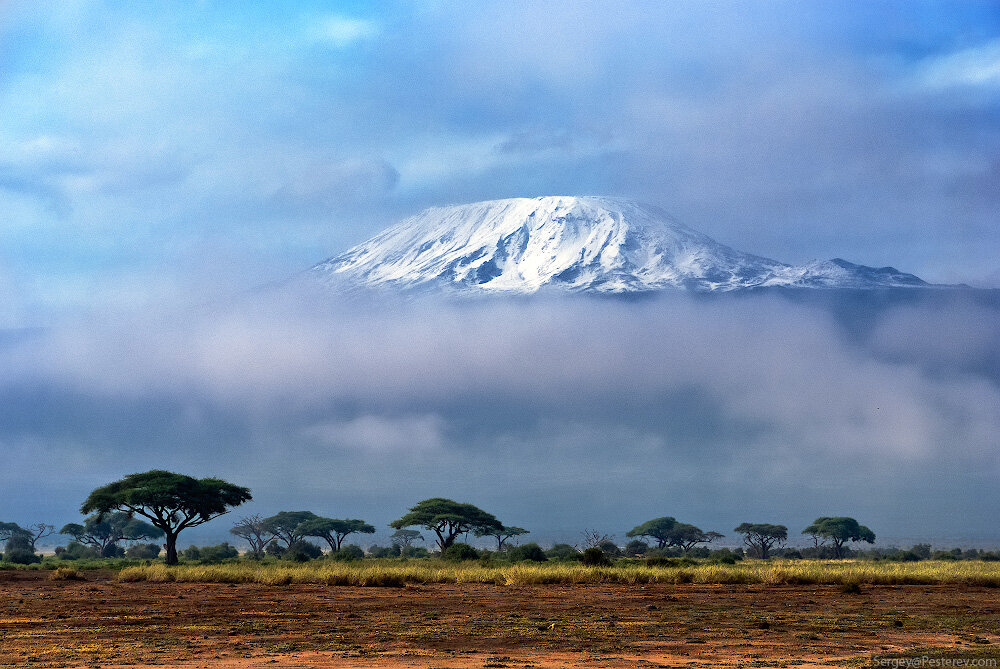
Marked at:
<point>171,548</point>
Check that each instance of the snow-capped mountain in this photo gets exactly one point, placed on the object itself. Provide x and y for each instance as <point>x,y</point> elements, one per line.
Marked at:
<point>579,244</point>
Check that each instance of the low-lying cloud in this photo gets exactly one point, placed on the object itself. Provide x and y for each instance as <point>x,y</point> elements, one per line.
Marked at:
<point>555,413</point>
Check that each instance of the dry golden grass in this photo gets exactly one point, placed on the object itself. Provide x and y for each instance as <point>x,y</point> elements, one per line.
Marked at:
<point>398,573</point>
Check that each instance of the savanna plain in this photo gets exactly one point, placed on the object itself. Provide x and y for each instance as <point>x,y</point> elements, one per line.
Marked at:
<point>430,613</point>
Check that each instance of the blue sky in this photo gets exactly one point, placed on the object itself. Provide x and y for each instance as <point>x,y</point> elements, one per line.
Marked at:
<point>156,158</point>
<point>152,150</point>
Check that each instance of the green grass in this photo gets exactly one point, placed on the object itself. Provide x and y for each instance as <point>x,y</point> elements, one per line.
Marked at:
<point>399,573</point>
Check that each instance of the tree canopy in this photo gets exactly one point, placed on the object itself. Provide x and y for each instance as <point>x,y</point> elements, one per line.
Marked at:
<point>501,534</point>
<point>11,530</point>
<point>658,529</point>
<point>334,530</point>
<point>666,531</point>
<point>838,530</point>
<point>172,502</point>
<point>447,519</point>
<point>285,525</point>
<point>762,536</point>
<point>404,538</point>
<point>104,534</point>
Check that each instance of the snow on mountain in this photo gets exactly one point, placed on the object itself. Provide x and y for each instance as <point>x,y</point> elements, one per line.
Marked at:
<point>578,244</point>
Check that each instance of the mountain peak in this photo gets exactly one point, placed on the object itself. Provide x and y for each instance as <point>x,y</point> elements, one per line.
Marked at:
<point>573,243</point>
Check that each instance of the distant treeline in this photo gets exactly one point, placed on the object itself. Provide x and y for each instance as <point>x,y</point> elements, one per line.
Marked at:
<point>129,518</point>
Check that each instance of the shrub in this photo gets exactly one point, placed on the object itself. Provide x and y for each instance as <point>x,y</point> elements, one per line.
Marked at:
<point>21,556</point>
<point>143,551</point>
<point>459,551</point>
<point>348,553</point>
<point>191,553</point>
<point>636,548</point>
<point>77,551</point>
<point>216,554</point>
<point>610,549</point>
<point>660,561</point>
<point>413,552</point>
<point>113,551</point>
<point>726,556</point>
<point>301,551</point>
<point>384,551</point>
<point>595,557</point>
<point>530,551</point>
<point>20,551</point>
<point>563,552</point>
<point>65,574</point>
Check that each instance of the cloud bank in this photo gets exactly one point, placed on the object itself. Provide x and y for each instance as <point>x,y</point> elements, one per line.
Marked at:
<point>557,414</point>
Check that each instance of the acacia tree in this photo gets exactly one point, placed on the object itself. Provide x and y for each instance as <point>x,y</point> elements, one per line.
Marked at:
<point>334,530</point>
<point>839,530</point>
<point>687,536</point>
<point>666,531</point>
<point>447,519</point>
<point>658,529</point>
<point>501,534</point>
<point>405,538</point>
<point>284,525</point>
<point>761,537</point>
<point>172,502</point>
<point>10,530</point>
<point>104,534</point>
<point>251,529</point>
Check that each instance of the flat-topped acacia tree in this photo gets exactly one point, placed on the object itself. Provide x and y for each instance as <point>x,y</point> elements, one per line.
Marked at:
<point>334,530</point>
<point>447,519</point>
<point>172,502</point>
<point>839,530</point>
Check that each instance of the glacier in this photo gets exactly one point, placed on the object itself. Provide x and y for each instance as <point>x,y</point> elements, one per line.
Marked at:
<point>574,244</point>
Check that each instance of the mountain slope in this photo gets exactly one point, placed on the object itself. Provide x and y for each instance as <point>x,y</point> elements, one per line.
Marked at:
<point>590,244</point>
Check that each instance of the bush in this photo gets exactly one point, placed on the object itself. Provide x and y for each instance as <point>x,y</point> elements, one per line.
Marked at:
<point>459,551</point>
<point>660,561</point>
<point>636,548</point>
<point>143,551</point>
<point>191,553</point>
<point>77,551</point>
<point>20,551</point>
<point>348,553</point>
<point>216,554</point>
<point>563,552</point>
<point>384,551</point>
<point>610,549</point>
<point>725,556</point>
<point>21,556</point>
<point>66,573</point>
<point>113,551</point>
<point>595,557</point>
<point>301,551</point>
<point>530,551</point>
<point>414,552</point>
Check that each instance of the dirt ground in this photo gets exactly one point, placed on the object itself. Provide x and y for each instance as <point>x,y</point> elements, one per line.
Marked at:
<point>99,622</point>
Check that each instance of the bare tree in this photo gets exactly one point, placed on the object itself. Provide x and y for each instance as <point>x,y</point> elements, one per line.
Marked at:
<point>253,530</point>
<point>38,531</point>
<point>594,539</point>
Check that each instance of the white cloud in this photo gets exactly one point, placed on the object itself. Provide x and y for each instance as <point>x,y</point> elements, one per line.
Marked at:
<point>342,31</point>
<point>380,434</point>
<point>975,67</point>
